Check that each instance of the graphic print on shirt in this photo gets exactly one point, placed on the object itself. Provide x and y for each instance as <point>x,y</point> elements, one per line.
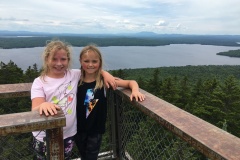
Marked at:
<point>63,97</point>
<point>89,101</point>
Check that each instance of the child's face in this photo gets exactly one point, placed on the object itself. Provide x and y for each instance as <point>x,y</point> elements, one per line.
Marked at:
<point>90,62</point>
<point>57,64</point>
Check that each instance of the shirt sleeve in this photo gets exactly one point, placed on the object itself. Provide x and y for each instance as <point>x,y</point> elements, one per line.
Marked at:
<point>37,89</point>
<point>77,73</point>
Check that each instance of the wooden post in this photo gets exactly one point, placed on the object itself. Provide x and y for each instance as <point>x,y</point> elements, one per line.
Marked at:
<point>55,148</point>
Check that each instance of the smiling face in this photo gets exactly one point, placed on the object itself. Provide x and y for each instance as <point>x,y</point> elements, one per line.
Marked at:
<point>57,64</point>
<point>90,62</point>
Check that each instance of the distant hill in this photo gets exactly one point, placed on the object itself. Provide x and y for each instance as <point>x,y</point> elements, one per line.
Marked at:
<point>138,34</point>
<point>26,39</point>
<point>22,33</point>
<point>28,33</point>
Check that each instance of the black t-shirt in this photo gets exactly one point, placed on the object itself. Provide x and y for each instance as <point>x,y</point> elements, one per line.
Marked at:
<point>91,109</point>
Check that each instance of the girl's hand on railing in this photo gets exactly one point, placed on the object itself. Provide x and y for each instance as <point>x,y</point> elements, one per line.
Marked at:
<point>48,108</point>
<point>137,95</point>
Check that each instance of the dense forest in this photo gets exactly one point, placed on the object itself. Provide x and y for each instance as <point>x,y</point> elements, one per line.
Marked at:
<point>11,41</point>
<point>231,53</point>
<point>209,92</point>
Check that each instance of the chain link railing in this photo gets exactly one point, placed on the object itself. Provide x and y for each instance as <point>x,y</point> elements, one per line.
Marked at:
<point>157,130</point>
<point>142,138</point>
<point>13,140</point>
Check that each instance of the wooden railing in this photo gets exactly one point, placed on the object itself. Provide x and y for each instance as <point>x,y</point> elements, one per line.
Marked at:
<point>24,122</point>
<point>213,142</point>
<point>210,140</point>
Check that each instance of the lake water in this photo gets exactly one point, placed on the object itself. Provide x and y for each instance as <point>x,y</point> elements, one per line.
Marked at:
<point>121,57</point>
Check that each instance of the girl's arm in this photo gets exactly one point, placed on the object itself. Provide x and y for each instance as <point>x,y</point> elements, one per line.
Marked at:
<point>40,104</point>
<point>109,80</point>
<point>133,85</point>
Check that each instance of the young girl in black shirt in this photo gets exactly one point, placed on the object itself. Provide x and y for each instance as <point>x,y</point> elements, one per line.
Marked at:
<point>92,103</point>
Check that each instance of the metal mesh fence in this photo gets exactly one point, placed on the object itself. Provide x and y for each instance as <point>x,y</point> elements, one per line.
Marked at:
<point>143,138</point>
<point>18,146</point>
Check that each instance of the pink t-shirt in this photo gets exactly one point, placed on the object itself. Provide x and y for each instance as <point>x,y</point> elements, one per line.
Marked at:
<point>60,91</point>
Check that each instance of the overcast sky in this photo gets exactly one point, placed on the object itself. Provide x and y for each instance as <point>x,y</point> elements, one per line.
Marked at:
<point>122,16</point>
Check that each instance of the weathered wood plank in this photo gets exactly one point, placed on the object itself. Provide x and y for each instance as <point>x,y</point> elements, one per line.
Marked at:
<point>15,90</point>
<point>29,121</point>
<point>212,141</point>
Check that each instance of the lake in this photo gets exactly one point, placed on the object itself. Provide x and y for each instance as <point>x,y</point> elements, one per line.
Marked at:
<point>122,57</point>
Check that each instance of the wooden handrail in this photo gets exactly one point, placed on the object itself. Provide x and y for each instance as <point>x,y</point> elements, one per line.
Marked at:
<point>18,123</point>
<point>29,121</point>
<point>210,140</point>
<point>15,90</point>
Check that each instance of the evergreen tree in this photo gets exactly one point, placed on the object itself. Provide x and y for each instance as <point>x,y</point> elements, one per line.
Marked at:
<point>10,73</point>
<point>121,74</point>
<point>230,104</point>
<point>197,89</point>
<point>184,93</point>
<point>142,84</point>
<point>154,83</point>
<point>31,73</point>
<point>169,91</point>
<point>230,95</point>
<point>203,106</point>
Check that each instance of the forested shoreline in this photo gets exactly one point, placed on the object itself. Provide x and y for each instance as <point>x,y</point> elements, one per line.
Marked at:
<point>8,42</point>
<point>231,53</point>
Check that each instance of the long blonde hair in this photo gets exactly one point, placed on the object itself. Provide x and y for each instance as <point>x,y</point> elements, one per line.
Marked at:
<point>51,48</point>
<point>99,78</point>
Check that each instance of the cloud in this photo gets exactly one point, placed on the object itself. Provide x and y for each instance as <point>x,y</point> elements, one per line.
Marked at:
<point>105,16</point>
<point>161,23</point>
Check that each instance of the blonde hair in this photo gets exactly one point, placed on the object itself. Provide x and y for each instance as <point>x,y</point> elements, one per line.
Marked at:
<point>51,48</point>
<point>99,78</point>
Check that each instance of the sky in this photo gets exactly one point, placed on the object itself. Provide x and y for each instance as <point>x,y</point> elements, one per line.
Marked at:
<point>212,17</point>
